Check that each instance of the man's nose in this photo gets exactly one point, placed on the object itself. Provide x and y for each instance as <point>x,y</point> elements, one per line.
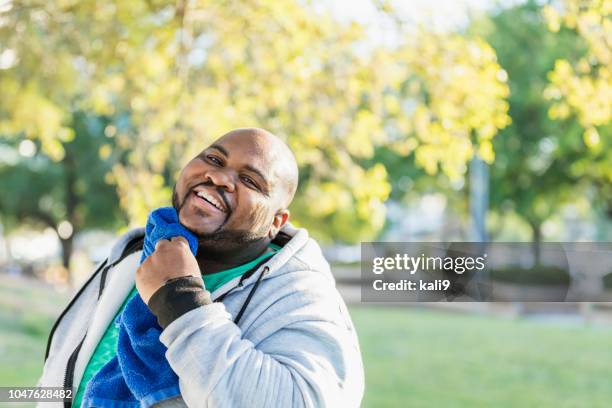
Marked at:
<point>221,179</point>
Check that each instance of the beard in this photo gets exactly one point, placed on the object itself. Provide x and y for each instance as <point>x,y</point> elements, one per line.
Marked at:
<point>222,238</point>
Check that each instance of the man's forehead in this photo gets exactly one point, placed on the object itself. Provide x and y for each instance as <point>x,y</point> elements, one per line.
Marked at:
<point>250,149</point>
<point>249,145</point>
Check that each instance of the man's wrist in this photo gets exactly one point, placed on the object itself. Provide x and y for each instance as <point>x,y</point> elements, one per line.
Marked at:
<point>177,297</point>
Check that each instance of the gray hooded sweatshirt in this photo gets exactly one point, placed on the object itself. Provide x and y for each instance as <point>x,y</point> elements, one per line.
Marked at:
<point>294,345</point>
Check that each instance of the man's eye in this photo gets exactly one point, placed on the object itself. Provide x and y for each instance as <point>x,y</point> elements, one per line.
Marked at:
<point>248,180</point>
<point>214,160</point>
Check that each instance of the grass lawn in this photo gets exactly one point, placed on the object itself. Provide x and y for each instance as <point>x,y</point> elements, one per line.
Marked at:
<point>27,311</point>
<point>412,357</point>
<point>433,359</point>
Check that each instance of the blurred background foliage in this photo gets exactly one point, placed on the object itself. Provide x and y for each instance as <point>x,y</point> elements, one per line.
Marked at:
<point>103,102</point>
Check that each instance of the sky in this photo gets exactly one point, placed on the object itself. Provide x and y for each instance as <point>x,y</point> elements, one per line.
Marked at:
<point>441,15</point>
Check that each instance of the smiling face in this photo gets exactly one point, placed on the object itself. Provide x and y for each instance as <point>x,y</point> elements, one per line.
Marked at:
<point>237,189</point>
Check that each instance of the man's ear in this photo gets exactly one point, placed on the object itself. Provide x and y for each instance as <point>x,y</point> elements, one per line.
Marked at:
<point>280,218</point>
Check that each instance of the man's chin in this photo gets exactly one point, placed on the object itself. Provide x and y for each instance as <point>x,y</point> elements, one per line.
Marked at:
<point>201,232</point>
<point>200,225</point>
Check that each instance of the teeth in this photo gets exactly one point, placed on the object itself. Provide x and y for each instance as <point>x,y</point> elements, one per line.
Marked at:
<point>210,199</point>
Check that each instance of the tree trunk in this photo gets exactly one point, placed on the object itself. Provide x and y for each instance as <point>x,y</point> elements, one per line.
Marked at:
<point>536,240</point>
<point>7,244</point>
<point>66,252</point>
<point>72,201</point>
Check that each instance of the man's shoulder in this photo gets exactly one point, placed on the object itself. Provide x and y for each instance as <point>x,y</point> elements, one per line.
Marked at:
<point>310,256</point>
<point>305,261</point>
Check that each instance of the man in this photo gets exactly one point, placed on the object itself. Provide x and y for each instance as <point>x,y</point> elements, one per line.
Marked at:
<point>265,328</point>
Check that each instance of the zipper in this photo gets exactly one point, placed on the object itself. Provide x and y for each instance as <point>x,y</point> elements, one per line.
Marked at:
<point>69,374</point>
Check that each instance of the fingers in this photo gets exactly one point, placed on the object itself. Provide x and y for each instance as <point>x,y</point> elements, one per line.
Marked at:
<point>160,242</point>
<point>177,239</point>
<point>180,239</point>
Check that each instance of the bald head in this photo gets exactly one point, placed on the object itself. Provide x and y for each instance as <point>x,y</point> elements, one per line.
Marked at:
<point>274,154</point>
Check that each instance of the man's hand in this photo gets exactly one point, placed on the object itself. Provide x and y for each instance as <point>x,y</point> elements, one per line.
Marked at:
<point>171,259</point>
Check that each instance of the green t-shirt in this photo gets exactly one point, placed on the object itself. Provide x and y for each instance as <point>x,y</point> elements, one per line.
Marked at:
<point>107,347</point>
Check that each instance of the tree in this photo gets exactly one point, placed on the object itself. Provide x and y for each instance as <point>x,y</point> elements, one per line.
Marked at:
<point>580,89</point>
<point>187,72</point>
<point>445,108</point>
<point>583,87</point>
<point>68,195</point>
<point>456,92</point>
<point>531,175</point>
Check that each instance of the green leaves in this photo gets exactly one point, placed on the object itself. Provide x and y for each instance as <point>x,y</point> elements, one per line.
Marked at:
<point>583,87</point>
<point>173,77</point>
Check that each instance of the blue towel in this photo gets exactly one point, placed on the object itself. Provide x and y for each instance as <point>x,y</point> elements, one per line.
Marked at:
<point>139,375</point>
